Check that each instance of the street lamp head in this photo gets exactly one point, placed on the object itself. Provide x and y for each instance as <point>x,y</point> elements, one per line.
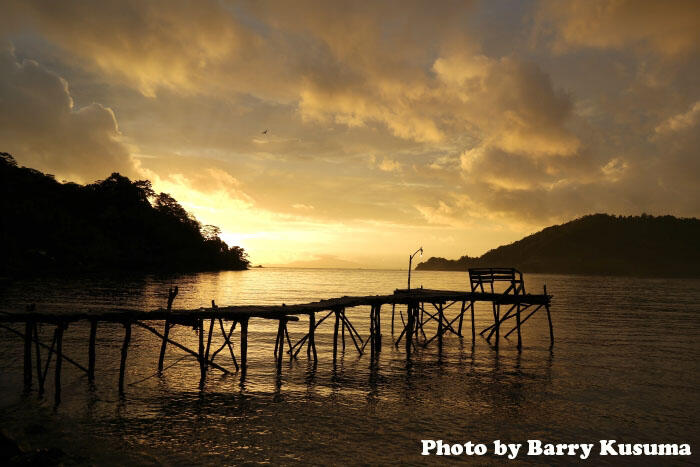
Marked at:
<point>421,252</point>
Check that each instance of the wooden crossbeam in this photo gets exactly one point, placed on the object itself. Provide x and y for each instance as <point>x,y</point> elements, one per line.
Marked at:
<point>36,340</point>
<point>523,321</point>
<point>180,346</point>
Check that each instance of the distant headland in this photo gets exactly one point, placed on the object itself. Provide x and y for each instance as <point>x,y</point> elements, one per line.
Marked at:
<point>663,246</point>
<point>112,224</point>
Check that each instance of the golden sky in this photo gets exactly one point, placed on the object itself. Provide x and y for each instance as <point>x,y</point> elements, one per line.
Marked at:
<point>458,126</point>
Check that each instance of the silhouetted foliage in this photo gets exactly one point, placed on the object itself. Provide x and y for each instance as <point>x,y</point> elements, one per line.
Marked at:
<point>210,232</point>
<point>645,245</point>
<point>110,224</point>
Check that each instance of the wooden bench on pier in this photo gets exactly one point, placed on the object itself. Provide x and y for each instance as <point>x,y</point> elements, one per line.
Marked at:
<point>478,277</point>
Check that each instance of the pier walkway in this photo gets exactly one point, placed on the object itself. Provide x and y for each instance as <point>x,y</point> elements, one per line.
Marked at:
<point>422,307</point>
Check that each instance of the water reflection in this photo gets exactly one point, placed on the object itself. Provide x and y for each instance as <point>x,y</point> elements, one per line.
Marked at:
<point>610,366</point>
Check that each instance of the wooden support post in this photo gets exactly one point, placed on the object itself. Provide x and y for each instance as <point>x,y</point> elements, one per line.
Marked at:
<point>202,353</point>
<point>48,361</point>
<point>164,344</point>
<point>172,293</point>
<point>420,308</point>
<point>517,320</point>
<point>301,341</point>
<point>378,326</point>
<point>230,345</point>
<point>410,327</point>
<point>309,338</point>
<point>277,341</point>
<point>289,341</point>
<point>372,337</point>
<point>461,318</point>
<point>342,329</point>
<point>473,324</point>
<point>28,356</point>
<point>280,343</point>
<point>493,311</point>
<point>421,323</point>
<point>393,310</point>
<point>211,329</point>
<point>37,349</point>
<point>59,360</point>
<point>492,327</point>
<point>440,332</point>
<point>91,350</point>
<point>335,335</point>
<point>125,349</point>
<point>311,345</point>
<point>244,346</point>
<point>549,319</point>
<point>398,340</point>
<point>497,321</point>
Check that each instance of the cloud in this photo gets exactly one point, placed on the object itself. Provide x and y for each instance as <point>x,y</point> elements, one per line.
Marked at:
<point>513,188</point>
<point>670,28</point>
<point>467,121</point>
<point>349,65</point>
<point>680,122</point>
<point>614,169</point>
<point>504,170</point>
<point>42,128</point>
<point>512,103</point>
<point>454,210</point>
<point>389,165</point>
<point>150,45</point>
<point>345,66</point>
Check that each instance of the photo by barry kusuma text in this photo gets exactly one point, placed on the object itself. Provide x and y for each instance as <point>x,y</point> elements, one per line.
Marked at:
<point>536,447</point>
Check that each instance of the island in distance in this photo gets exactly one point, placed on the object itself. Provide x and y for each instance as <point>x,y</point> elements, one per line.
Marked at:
<point>599,244</point>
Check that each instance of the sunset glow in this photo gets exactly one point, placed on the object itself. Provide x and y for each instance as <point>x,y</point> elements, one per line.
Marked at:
<point>351,133</point>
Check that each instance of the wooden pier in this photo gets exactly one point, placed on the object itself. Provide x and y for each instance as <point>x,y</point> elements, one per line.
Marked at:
<point>443,309</point>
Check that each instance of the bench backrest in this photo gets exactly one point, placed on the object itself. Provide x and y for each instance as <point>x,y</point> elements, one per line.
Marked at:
<point>480,276</point>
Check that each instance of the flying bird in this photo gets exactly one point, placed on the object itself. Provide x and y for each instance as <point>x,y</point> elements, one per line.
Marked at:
<point>264,132</point>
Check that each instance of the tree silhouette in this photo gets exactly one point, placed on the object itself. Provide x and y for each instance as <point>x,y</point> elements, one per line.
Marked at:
<point>210,232</point>
<point>662,246</point>
<point>110,224</point>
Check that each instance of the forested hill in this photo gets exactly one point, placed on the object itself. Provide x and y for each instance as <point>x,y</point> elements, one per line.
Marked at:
<point>643,245</point>
<point>112,224</point>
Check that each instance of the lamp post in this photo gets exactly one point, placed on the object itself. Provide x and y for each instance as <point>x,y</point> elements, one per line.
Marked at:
<point>410,260</point>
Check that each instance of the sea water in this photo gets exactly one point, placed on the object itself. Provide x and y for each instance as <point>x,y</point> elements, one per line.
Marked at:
<point>625,366</point>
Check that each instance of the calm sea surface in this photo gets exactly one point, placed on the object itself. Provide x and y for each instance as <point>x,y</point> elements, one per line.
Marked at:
<point>625,366</point>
